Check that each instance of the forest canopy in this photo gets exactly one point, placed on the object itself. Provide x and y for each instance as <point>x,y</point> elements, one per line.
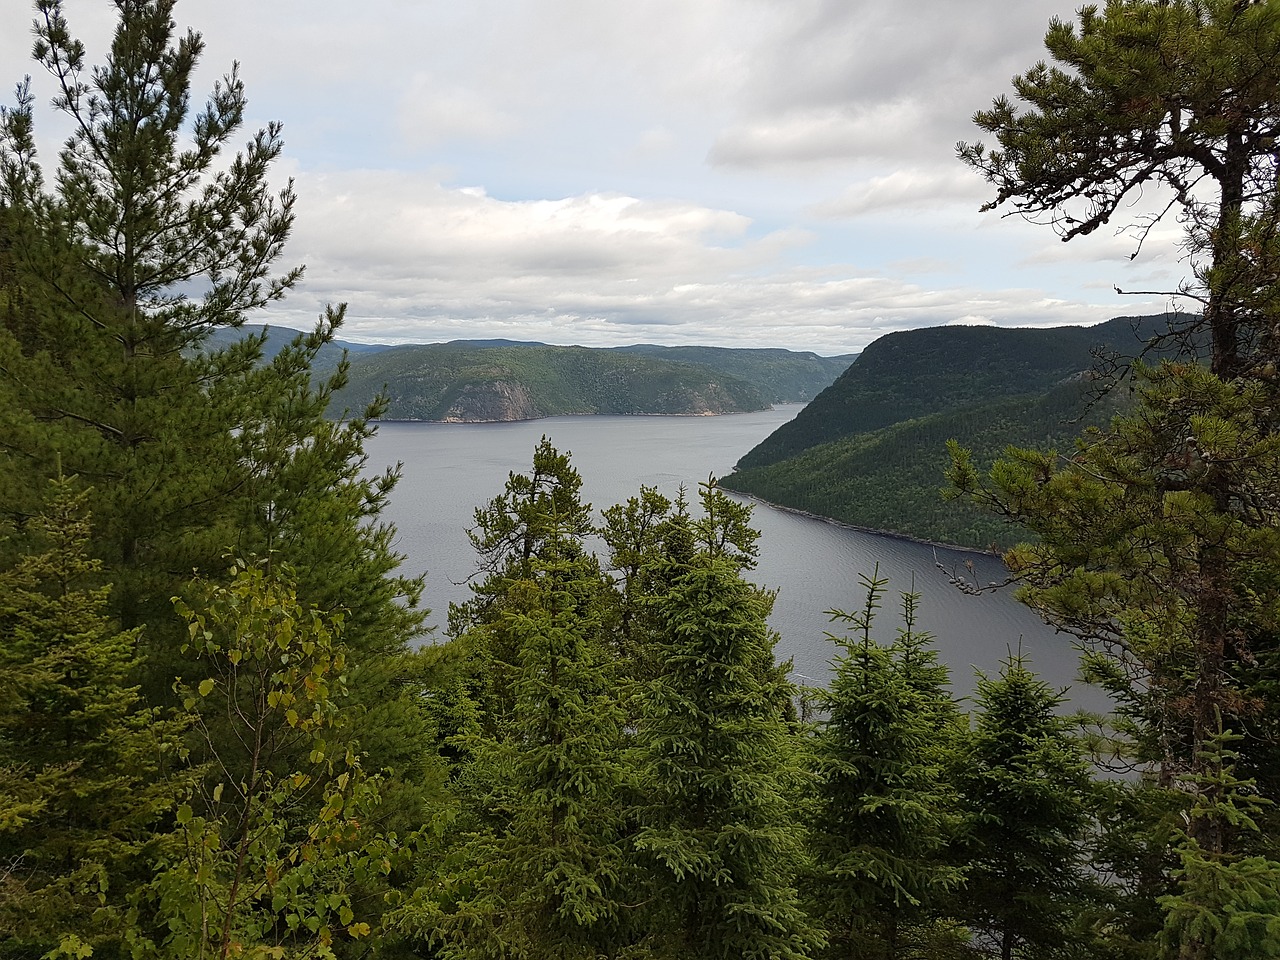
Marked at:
<point>221,734</point>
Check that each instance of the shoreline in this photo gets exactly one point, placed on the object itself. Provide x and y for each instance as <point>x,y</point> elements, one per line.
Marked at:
<point>873,531</point>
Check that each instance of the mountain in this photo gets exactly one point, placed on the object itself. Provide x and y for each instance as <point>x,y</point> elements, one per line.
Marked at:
<point>773,376</point>
<point>279,337</point>
<point>870,449</point>
<point>462,382</point>
<point>782,376</point>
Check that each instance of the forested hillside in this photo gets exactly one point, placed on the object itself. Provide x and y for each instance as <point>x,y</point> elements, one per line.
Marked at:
<point>222,737</point>
<point>456,381</point>
<point>870,450</point>
<point>781,376</point>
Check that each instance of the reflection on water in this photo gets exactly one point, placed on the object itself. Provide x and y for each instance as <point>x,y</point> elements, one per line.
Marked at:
<point>450,469</point>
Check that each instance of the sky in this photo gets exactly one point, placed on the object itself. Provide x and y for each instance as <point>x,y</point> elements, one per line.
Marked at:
<point>745,173</point>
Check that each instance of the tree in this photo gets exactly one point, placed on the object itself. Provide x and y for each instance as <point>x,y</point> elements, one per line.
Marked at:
<point>1157,538</point>
<point>1025,792</point>
<point>136,218</point>
<point>539,866</point>
<point>1182,95</point>
<point>146,237</point>
<point>268,851</point>
<point>87,772</point>
<point>717,761</point>
<point>883,813</point>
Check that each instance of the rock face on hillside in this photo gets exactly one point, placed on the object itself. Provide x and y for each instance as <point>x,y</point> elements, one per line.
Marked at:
<point>490,401</point>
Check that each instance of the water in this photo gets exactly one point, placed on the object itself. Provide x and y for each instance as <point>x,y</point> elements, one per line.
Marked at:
<point>450,469</point>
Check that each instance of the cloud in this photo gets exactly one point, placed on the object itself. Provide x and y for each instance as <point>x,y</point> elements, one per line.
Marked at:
<point>432,111</point>
<point>750,172</point>
<point>420,261</point>
<point>907,189</point>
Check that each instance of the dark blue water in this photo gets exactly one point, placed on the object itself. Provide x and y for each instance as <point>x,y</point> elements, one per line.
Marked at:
<point>450,469</point>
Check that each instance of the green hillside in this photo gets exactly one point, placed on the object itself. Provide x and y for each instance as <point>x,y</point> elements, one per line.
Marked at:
<point>458,381</point>
<point>871,449</point>
<point>781,376</point>
<point>914,373</point>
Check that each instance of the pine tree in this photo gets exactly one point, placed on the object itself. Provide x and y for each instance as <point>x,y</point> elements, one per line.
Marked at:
<point>883,813</point>
<point>717,763</point>
<point>87,772</point>
<point>190,452</point>
<point>1025,791</point>
<point>1157,539</point>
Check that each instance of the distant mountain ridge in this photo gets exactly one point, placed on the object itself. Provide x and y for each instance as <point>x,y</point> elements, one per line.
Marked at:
<point>498,379</point>
<point>870,449</point>
<point>464,383</point>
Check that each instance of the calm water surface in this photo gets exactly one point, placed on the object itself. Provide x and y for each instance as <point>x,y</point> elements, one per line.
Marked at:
<point>450,469</point>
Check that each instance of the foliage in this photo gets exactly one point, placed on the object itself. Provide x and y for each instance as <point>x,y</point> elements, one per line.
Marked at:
<point>87,772</point>
<point>1227,906</point>
<point>912,374</point>
<point>146,238</point>
<point>267,853</point>
<point>883,813</point>
<point>456,381</point>
<point>1158,537</point>
<point>538,870</point>
<point>1180,96</point>
<point>1025,795</point>
<point>719,769</point>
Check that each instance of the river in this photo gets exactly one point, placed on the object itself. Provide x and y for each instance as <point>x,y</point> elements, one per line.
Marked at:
<point>449,469</point>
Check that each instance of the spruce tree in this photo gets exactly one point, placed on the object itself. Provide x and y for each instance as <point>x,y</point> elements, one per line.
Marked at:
<point>539,869</point>
<point>1025,794</point>
<point>883,813</point>
<point>533,862</point>
<point>717,764</point>
<point>87,772</point>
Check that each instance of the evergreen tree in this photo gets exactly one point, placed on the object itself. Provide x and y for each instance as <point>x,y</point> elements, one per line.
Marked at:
<point>86,771</point>
<point>1157,540</point>
<point>539,870</point>
<point>883,813</point>
<point>1177,94</point>
<point>1227,906</point>
<point>1025,792</point>
<point>717,764</point>
<point>539,518</point>
<point>190,453</point>
<point>532,863</point>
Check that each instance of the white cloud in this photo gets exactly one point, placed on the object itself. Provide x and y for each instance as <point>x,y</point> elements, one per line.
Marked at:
<point>907,189</point>
<point>433,111</point>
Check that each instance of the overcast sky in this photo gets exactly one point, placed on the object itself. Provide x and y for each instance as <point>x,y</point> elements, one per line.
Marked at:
<point>733,172</point>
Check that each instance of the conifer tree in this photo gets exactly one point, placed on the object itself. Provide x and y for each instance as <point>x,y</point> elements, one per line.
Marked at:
<point>1157,539</point>
<point>190,452</point>
<point>539,870</point>
<point>883,814</point>
<point>532,862</point>
<point>1025,792</point>
<point>1227,905</point>
<point>87,772</point>
<point>717,764</point>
